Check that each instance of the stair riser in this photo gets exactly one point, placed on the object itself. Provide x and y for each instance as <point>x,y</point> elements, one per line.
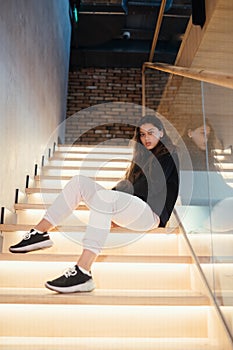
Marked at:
<point>107,276</point>
<point>60,184</point>
<point>216,245</point>
<point>32,217</point>
<point>117,321</point>
<point>228,314</point>
<point>117,174</point>
<point>86,163</point>
<point>107,156</point>
<point>42,198</point>
<point>46,343</point>
<point>95,150</point>
<point>222,275</point>
<point>121,244</point>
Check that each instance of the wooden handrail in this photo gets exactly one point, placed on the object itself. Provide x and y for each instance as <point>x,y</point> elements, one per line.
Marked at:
<point>220,79</point>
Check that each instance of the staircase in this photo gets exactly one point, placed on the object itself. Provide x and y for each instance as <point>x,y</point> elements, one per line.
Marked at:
<point>150,293</point>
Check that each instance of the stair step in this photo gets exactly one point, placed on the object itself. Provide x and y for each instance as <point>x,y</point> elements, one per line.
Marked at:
<point>42,190</point>
<point>222,276</point>
<point>118,243</point>
<point>91,157</point>
<point>97,343</point>
<point>61,181</point>
<point>228,314</point>
<point>44,198</point>
<point>117,150</point>
<point>28,320</point>
<point>111,275</point>
<point>22,227</point>
<point>60,184</point>
<point>84,167</point>
<point>216,245</point>
<point>86,163</point>
<point>32,190</point>
<point>41,206</point>
<point>33,256</point>
<point>225,166</point>
<point>225,298</point>
<point>102,297</point>
<point>51,177</point>
<point>95,172</point>
<point>31,213</point>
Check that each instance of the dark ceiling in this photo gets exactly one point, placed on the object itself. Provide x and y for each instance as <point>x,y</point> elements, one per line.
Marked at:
<point>110,35</point>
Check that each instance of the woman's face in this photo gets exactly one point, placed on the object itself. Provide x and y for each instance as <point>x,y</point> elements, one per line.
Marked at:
<point>200,136</point>
<point>150,135</point>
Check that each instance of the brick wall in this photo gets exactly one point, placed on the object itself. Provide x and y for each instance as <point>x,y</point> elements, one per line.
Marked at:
<point>177,99</point>
<point>89,87</point>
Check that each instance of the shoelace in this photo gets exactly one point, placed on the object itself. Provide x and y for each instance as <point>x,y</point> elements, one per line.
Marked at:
<point>29,234</point>
<point>70,272</point>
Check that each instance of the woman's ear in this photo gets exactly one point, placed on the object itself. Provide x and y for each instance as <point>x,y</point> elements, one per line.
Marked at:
<point>161,134</point>
<point>190,133</point>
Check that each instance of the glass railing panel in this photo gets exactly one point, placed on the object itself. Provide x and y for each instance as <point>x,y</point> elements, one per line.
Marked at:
<point>198,118</point>
<point>217,110</point>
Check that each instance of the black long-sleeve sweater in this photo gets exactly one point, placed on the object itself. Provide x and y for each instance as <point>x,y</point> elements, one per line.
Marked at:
<point>158,185</point>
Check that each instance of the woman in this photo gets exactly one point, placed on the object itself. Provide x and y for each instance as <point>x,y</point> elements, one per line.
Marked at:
<point>142,201</point>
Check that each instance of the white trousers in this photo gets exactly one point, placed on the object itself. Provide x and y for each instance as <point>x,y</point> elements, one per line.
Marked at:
<point>105,206</point>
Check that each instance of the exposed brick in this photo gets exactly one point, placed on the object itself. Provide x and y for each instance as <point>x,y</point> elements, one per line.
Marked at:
<point>93,86</point>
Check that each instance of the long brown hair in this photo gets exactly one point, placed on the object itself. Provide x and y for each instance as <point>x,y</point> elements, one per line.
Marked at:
<point>200,157</point>
<point>142,158</point>
<point>195,123</point>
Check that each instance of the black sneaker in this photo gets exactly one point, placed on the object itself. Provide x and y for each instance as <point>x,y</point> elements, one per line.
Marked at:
<point>73,280</point>
<point>32,240</point>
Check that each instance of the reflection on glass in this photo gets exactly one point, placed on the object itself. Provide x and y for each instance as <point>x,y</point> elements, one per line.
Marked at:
<point>211,201</point>
<point>209,186</point>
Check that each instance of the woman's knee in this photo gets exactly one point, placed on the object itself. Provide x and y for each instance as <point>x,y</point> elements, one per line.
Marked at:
<point>102,201</point>
<point>79,181</point>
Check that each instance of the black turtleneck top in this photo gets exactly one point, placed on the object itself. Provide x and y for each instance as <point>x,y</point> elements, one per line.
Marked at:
<point>158,185</point>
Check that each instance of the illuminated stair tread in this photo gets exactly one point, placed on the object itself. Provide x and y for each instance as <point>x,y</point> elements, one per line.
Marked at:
<point>102,297</point>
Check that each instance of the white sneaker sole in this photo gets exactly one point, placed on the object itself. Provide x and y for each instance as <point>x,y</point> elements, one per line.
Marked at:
<point>32,247</point>
<point>84,287</point>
